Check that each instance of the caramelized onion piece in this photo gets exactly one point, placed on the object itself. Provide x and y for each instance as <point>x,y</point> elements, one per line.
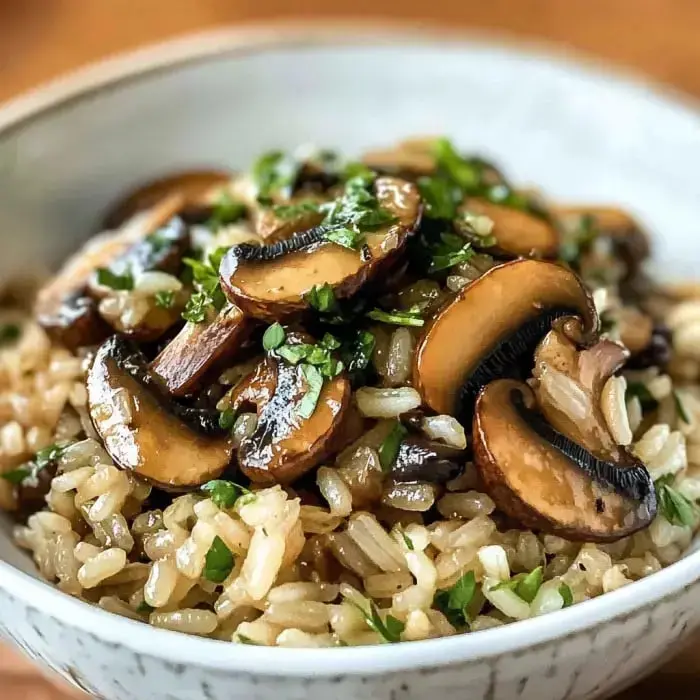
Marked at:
<point>549,483</point>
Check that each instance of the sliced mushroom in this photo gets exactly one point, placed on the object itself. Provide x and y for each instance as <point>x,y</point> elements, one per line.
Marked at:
<point>270,282</point>
<point>568,383</point>
<point>635,328</point>
<point>200,348</point>
<point>273,227</point>
<point>179,191</point>
<point>284,444</point>
<point>419,459</point>
<point>517,232</point>
<point>64,308</point>
<point>546,481</point>
<point>491,329</point>
<point>143,431</point>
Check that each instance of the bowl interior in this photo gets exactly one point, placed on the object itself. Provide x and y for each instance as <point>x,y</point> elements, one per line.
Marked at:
<point>577,133</point>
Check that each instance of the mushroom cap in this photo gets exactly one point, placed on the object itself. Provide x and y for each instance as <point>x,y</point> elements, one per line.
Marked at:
<point>491,328</point>
<point>170,446</point>
<point>284,444</point>
<point>272,282</point>
<point>547,482</point>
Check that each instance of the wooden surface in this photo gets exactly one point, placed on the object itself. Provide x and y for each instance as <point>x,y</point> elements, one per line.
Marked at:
<point>40,39</point>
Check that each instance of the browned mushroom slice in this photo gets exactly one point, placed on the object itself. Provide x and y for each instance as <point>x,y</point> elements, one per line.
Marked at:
<point>550,483</point>
<point>143,431</point>
<point>177,191</point>
<point>64,307</point>
<point>517,232</point>
<point>285,444</point>
<point>491,329</point>
<point>273,225</point>
<point>568,383</point>
<point>270,282</point>
<point>200,348</point>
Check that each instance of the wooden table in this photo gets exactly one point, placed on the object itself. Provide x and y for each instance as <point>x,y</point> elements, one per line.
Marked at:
<point>40,39</point>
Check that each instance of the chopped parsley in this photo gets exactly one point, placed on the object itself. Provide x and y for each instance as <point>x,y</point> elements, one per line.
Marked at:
<point>566,594</point>
<point>226,210</point>
<point>273,337</point>
<point>273,173</point>
<point>42,459</point>
<point>406,540</point>
<point>530,584</point>
<point>314,384</point>
<point>412,317</point>
<point>165,300</point>
<point>680,408</point>
<point>673,505</point>
<point>646,399</point>
<point>218,562</point>
<point>389,629</point>
<point>318,355</point>
<point>224,493</point>
<point>243,639</point>
<point>441,197</point>
<point>389,449</point>
<point>346,237</point>
<point>9,333</point>
<point>209,296</point>
<point>454,602</point>
<point>579,240</point>
<point>356,354</point>
<point>356,169</point>
<point>227,418</point>
<point>465,173</point>
<point>321,298</point>
<point>144,608</point>
<point>294,211</point>
<point>107,278</point>
<point>451,251</point>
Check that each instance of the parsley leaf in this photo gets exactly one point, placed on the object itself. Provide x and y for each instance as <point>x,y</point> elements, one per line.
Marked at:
<point>452,251</point>
<point>50,454</point>
<point>293,211</point>
<point>209,295</point>
<point>390,629</point>
<point>680,408</point>
<point>42,459</point>
<point>412,317</point>
<point>530,584</point>
<point>243,639</point>
<point>107,278</point>
<point>144,608</point>
<point>566,594</point>
<point>357,353</point>
<point>345,237</point>
<point>164,300</point>
<point>389,449</point>
<point>273,337</point>
<point>406,540</point>
<point>321,298</point>
<point>355,169</point>
<point>673,505</point>
<point>227,418</point>
<point>225,211</point>
<point>463,172</point>
<point>224,493</point>
<point>454,602</point>
<point>578,240</point>
<point>9,332</point>
<point>275,172</point>
<point>314,384</point>
<point>218,562</point>
<point>18,475</point>
<point>440,196</point>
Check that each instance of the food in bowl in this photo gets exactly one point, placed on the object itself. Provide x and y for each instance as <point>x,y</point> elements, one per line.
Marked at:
<point>329,403</point>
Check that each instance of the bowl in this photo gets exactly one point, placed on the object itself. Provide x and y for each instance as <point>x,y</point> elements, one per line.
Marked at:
<point>69,149</point>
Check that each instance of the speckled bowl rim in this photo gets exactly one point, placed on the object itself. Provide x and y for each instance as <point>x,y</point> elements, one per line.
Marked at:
<point>370,660</point>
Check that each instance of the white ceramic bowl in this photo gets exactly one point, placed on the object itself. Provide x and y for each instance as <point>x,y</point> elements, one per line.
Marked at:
<point>69,149</point>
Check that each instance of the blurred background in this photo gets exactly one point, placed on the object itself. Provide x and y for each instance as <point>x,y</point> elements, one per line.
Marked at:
<point>42,39</point>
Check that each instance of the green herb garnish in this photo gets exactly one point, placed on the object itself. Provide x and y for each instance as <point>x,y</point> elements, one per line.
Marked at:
<point>566,594</point>
<point>294,211</point>
<point>275,173</point>
<point>441,197</point>
<point>646,399</point>
<point>357,354</point>
<point>18,475</point>
<point>164,300</point>
<point>144,608</point>
<point>227,418</point>
<point>454,602</point>
<point>466,173</point>
<point>225,211</point>
<point>273,337</point>
<point>530,584</point>
<point>42,459</point>
<point>389,629</point>
<point>209,296</point>
<point>673,505</point>
<point>680,408</point>
<point>321,298</point>
<point>389,449</point>
<point>452,251</point>
<point>319,355</point>
<point>412,317</point>
<point>243,639</point>
<point>224,493</point>
<point>579,240</point>
<point>346,237</point>
<point>406,540</point>
<point>9,333</point>
<point>314,384</point>
<point>219,561</point>
<point>107,278</point>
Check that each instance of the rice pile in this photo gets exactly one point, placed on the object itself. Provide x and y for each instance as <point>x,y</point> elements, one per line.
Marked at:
<point>272,568</point>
